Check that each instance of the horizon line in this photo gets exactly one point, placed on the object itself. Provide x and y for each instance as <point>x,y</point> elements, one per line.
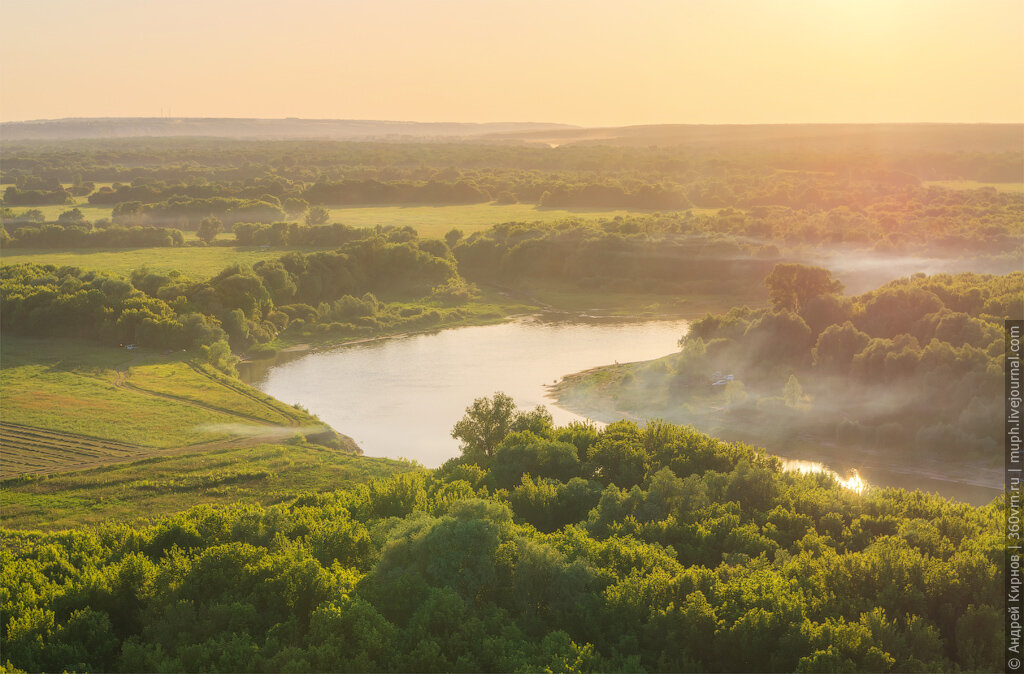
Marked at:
<point>478,123</point>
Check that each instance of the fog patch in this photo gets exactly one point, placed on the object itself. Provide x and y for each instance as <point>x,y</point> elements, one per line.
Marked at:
<point>260,430</point>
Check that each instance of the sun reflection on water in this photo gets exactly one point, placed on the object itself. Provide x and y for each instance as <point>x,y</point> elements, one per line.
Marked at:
<point>853,481</point>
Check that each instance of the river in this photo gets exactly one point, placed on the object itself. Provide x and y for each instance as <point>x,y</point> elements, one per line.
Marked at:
<point>399,397</point>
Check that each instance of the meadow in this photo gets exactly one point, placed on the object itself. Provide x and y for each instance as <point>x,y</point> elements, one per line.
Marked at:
<point>192,262</point>
<point>433,222</point>
<point>69,405</point>
<point>264,474</point>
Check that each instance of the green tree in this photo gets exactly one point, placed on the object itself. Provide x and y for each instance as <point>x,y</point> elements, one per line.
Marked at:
<point>295,207</point>
<point>487,422</point>
<point>837,346</point>
<point>791,285</point>
<point>793,393</point>
<point>219,355</point>
<point>452,237</point>
<point>208,229</point>
<point>32,215</point>
<point>318,215</point>
<point>72,217</point>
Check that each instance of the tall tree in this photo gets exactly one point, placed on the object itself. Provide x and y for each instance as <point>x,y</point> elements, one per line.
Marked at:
<point>208,229</point>
<point>318,215</point>
<point>791,285</point>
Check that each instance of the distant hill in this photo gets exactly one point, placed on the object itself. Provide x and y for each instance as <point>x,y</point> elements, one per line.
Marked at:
<point>887,137</point>
<point>293,128</point>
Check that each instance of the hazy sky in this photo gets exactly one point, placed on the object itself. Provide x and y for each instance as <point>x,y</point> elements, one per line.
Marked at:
<point>588,62</point>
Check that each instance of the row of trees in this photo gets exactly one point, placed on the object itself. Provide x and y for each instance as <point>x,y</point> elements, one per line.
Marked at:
<point>630,548</point>
<point>85,236</point>
<point>653,253</point>
<point>246,306</point>
<point>187,213</point>
<point>14,196</point>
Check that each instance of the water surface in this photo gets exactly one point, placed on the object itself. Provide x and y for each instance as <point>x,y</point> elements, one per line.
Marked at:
<point>400,397</point>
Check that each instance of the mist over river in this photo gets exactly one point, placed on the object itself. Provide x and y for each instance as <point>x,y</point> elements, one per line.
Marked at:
<point>399,397</point>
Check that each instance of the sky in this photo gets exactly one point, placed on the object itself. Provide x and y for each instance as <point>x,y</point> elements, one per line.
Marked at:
<point>585,62</point>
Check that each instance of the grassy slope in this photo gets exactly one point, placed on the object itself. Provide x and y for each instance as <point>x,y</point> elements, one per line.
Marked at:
<point>261,474</point>
<point>62,396</point>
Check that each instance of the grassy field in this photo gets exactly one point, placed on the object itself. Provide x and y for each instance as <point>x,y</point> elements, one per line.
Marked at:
<point>436,221</point>
<point>67,405</point>
<point>974,185</point>
<point>91,213</point>
<point>265,474</point>
<point>429,221</point>
<point>198,263</point>
<point>204,385</point>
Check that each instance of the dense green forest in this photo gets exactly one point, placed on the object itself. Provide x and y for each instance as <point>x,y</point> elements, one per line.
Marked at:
<point>915,365</point>
<point>631,548</point>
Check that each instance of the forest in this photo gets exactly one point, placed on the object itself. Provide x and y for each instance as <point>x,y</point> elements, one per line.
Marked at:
<point>172,177</point>
<point>241,306</point>
<point>652,548</point>
<point>913,368</point>
<point>168,517</point>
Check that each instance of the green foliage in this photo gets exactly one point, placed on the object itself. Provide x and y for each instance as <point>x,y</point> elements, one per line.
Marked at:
<point>489,420</point>
<point>249,306</point>
<point>792,286</point>
<point>75,234</point>
<point>656,253</point>
<point>712,560</point>
<point>219,355</point>
<point>208,229</point>
<point>318,215</point>
<point>912,368</point>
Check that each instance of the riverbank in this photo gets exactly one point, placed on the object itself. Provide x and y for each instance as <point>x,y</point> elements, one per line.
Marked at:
<point>498,304</point>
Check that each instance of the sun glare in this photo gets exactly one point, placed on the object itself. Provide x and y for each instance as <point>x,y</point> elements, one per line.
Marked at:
<point>854,483</point>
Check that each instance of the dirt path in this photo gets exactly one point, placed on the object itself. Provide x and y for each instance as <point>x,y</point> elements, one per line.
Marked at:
<point>242,390</point>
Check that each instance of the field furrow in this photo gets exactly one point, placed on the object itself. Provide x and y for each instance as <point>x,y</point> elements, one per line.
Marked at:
<point>24,449</point>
